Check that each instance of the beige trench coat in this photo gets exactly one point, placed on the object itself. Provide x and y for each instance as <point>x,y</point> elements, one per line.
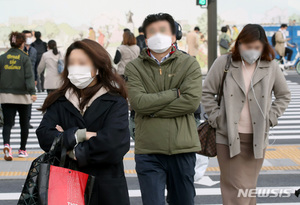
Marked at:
<point>280,41</point>
<point>193,42</point>
<point>267,79</point>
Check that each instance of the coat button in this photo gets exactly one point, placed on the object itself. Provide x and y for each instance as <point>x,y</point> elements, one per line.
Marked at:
<point>238,138</point>
<point>255,145</point>
<point>250,99</point>
<point>242,101</point>
<point>262,96</point>
<point>235,122</point>
<point>229,144</point>
<point>231,95</point>
<point>254,123</point>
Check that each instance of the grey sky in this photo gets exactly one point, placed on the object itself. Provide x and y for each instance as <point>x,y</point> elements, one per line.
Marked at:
<point>78,12</point>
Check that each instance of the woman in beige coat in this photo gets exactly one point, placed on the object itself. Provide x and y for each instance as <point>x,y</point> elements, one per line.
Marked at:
<point>49,63</point>
<point>247,111</point>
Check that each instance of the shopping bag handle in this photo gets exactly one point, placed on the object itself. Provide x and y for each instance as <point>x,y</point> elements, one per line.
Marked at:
<point>63,154</point>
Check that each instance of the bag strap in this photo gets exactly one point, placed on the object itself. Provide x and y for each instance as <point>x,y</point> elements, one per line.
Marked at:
<point>63,154</point>
<point>55,142</point>
<point>223,79</point>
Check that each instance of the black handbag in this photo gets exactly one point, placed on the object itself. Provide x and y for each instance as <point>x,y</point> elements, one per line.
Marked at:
<point>224,43</point>
<point>35,187</point>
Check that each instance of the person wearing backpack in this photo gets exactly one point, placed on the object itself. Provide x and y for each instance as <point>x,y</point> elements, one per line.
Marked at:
<point>281,45</point>
<point>41,47</point>
<point>224,41</point>
<point>49,64</point>
<point>126,52</point>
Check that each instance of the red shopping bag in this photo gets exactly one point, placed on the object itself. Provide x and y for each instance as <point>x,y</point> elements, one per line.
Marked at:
<point>62,186</point>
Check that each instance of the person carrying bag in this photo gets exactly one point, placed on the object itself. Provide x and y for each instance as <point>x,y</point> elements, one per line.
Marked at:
<point>207,134</point>
<point>55,181</point>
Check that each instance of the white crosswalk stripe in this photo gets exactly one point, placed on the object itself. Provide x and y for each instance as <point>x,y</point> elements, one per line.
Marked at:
<point>287,128</point>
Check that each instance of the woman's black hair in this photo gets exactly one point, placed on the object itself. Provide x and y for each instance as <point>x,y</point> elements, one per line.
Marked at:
<point>52,45</point>
<point>224,29</point>
<point>159,17</point>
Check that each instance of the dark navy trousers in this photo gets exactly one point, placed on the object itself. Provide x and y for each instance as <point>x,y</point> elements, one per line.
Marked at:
<point>174,172</point>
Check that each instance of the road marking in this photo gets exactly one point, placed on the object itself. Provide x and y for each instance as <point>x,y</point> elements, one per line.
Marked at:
<point>199,192</point>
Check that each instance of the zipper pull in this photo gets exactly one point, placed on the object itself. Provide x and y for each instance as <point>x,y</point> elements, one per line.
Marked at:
<point>160,72</point>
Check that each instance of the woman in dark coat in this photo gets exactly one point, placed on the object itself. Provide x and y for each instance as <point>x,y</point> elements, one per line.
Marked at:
<point>91,111</point>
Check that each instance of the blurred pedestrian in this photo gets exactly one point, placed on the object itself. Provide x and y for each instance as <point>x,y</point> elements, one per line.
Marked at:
<point>41,47</point>
<point>140,39</point>
<point>235,33</point>
<point>164,97</point>
<point>126,52</point>
<point>224,41</point>
<point>247,111</point>
<point>281,46</point>
<point>101,38</point>
<point>229,33</point>
<point>32,53</point>
<point>193,41</point>
<point>17,91</point>
<point>92,34</point>
<point>49,64</point>
<point>90,111</point>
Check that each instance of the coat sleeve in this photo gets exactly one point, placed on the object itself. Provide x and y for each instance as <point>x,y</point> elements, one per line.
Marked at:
<point>42,65</point>
<point>190,95</point>
<point>282,97</point>
<point>141,101</point>
<point>279,37</point>
<point>112,141</point>
<point>29,77</point>
<point>46,132</point>
<point>210,90</point>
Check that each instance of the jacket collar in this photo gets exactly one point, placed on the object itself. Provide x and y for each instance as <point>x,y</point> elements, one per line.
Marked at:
<point>260,73</point>
<point>94,111</point>
<point>262,64</point>
<point>72,97</point>
<point>145,55</point>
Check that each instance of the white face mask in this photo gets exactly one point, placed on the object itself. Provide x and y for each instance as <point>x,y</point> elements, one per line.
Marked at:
<point>159,43</point>
<point>28,41</point>
<point>80,76</point>
<point>250,56</point>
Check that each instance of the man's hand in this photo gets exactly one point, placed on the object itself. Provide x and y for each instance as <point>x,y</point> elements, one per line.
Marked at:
<point>35,82</point>
<point>90,134</point>
<point>33,98</point>
<point>288,39</point>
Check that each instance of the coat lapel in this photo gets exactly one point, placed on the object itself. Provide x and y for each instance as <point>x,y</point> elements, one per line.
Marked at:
<point>69,106</point>
<point>97,108</point>
<point>261,72</point>
<point>238,75</point>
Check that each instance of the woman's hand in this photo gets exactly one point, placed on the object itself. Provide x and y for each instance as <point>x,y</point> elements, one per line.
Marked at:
<point>33,98</point>
<point>59,128</point>
<point>90,134</point>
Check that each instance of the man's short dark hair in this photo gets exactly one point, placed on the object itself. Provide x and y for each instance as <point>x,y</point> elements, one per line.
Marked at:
<point>37,35</point>
<point>26,31</point>
<point>196,28</point>
<point>159,17</point>
<point>284,25</point>
<point>141,29</point>
<point>224,29</point>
